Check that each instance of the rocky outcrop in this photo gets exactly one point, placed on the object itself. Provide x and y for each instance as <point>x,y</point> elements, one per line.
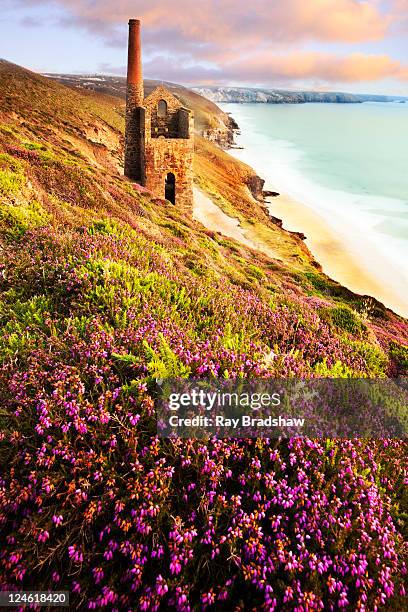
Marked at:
<point>224,133</point>
<point>256,184</point>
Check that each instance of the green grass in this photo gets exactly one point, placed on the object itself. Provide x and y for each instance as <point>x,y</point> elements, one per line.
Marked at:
<point>34,146</point>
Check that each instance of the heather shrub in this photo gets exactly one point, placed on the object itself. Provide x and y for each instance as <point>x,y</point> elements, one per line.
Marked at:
<point>181,524</point>
<point>399,355</point>
<point>94,502</point>
<point>93,312</point>
<point>374,357</point>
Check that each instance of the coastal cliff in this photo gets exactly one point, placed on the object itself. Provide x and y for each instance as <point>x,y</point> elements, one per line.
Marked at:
<point>278,96</point>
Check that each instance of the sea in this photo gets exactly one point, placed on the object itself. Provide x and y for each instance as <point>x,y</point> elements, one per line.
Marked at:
<point>348,163</point>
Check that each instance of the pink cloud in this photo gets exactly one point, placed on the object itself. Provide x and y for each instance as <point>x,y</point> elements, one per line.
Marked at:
<point>265,69</point>
<point>220,21</point>
<point>399,9</point>
<point>251,41</point>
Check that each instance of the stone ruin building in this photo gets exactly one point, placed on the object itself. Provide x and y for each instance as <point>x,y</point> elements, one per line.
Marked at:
<point>159,143</point>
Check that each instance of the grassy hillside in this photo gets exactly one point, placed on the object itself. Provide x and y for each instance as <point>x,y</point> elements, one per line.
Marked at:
<point>103,290</point>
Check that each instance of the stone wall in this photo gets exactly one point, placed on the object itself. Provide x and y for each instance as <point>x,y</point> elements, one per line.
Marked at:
<point>185,123</point>
<point>135,144</point>
<point>171,155</point>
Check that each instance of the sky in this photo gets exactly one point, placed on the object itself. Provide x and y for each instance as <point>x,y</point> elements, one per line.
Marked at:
<point>337,45</point>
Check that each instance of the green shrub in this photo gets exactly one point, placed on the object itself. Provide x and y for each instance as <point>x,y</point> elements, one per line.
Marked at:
<point>327,287</point>
<point>375,359</point>
<point>399,354</point>
<point>21,322</point>
<point>107,227</point>
<point>255,272</point>
<point>16,219</point>
<point>237,342</point>
<point>11,175</point>
<point>27,313</point>
<point>177,229</point>
<point>199,267</point>
<point>165,363</point>
<point>344,318</point>
<point>34,146</point>
<point>161,363</point>
<point>6,129</point>
<point>338,370</point>
<point>318,282</point>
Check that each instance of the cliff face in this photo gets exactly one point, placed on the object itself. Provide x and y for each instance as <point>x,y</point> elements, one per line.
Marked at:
<point>276,96</point>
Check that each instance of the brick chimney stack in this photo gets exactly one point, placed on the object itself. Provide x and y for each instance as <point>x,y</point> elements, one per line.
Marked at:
<point>134,72</point>
<point>135,113</point>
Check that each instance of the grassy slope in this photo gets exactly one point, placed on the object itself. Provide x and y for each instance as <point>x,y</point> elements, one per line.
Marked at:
<point>103,289</point>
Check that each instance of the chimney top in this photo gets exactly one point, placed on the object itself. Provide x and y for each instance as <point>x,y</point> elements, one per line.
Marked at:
<point>134,22</point>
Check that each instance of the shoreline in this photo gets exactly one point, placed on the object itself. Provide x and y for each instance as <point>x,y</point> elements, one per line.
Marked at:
<point>327,249</point>
<point>337,249</point>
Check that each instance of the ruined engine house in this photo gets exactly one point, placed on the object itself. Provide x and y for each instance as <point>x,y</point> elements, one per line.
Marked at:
<point>159,143</point>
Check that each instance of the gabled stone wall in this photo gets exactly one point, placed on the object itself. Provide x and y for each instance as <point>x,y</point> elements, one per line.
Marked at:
<point>169,148</point>
<point>174,124</point>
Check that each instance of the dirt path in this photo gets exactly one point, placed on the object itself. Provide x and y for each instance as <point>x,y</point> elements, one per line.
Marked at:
<point>213,218</point>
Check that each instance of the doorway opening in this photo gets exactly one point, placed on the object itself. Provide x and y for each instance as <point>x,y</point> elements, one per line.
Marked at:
<point>170,188</point>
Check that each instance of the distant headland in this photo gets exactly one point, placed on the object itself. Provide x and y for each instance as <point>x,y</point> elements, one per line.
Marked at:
<point>281,96</point>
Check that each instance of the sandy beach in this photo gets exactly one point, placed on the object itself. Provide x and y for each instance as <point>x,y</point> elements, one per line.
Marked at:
<point>334,254</point>
<point>337,259</point>
<point>340,257</point>
<point>345,253</point>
